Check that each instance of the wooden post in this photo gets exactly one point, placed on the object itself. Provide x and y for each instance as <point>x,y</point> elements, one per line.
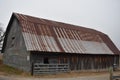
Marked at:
<point>119,61</point>
<point>111,73</point>
<point>32,66</point>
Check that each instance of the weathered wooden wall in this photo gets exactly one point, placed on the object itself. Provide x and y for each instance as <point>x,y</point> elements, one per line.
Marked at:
<point>15,53</point>
<point>77,61</point>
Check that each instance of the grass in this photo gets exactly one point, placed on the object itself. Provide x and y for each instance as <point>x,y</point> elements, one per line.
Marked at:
<point>7,70</point>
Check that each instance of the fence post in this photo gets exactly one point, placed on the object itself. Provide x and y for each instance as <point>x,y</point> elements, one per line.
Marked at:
<point>32,66</point>
<point>111,73</point>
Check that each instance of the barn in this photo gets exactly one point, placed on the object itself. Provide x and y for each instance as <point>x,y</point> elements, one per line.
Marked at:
<point>44,46</point>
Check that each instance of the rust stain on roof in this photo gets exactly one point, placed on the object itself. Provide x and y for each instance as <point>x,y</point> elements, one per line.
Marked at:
<point>47,35</point>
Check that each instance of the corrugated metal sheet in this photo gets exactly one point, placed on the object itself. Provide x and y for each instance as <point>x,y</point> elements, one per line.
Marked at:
<point>96,47</point>
<point>45,35</point>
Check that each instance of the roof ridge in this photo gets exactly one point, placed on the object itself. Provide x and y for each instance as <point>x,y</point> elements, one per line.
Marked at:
<point>52,22</point>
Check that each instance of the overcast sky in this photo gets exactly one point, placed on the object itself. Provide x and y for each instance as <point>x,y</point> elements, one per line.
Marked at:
<point>102,15</point>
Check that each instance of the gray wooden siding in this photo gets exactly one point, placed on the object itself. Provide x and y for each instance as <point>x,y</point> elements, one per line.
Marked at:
<point>76,61</point>
<point>39,58</point>
<point>15,51</point>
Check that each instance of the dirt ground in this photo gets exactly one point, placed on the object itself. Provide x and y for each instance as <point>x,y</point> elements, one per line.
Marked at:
<point>64,76</point>
<point>0,56</point>
<point>72,76</point>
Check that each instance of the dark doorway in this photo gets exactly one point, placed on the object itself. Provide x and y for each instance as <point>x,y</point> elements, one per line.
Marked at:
<point>46,61</point>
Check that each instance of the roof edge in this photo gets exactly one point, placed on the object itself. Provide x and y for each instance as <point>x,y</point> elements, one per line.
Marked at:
<point>7,30</point>
<point>63,23</point>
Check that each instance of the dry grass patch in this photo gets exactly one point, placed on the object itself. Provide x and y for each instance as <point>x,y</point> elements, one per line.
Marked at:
<point>7,70</point>
<point>71,74</point>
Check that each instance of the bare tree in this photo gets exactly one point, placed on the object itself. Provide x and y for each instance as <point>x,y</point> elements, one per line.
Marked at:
<point>1,35</point>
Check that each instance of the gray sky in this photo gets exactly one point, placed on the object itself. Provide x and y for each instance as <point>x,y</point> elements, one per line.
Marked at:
<point>102,15</point>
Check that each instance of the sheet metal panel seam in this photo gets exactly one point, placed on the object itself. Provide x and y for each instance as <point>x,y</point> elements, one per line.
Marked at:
<point>56,39</point>
<point>66,38</point>
<point>80,43</point>
<point>77,43</point>
<point>62,42</point>
<point>58,34</point>
<point>66,41</point>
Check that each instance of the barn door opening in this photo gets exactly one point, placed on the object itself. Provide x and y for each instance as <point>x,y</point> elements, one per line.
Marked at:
<point>46,60</point>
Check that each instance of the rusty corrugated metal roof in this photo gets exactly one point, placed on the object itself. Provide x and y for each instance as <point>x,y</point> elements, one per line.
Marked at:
<point>46,35</point>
